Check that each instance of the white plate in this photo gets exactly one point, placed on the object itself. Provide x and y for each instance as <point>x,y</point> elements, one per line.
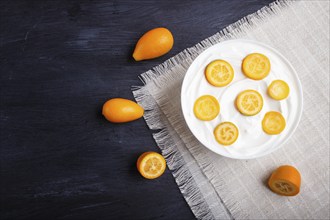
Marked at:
<point>252,141</point>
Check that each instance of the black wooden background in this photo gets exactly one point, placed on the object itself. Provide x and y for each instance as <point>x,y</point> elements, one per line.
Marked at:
<point>59,62</point>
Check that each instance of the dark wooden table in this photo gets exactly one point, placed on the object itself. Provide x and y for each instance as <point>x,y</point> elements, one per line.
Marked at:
<point>60,61</point>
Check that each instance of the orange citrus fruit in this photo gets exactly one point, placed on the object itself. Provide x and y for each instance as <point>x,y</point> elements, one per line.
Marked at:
<point>273,123</point>
<point>226,133</point>
<point>256,66</point>
<point>278,90</point>
<point>206,108</point>
<point>154,43</point>
<point>151,165</point>
<point>285,181</point>
<point>120,110</point>
<point>249,102</point>
<point>219,73</point>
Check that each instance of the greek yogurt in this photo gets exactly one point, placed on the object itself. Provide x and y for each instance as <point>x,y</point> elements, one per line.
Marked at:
<point>252,141</point>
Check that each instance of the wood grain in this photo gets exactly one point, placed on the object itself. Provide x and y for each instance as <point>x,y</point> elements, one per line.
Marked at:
<point>59,62</point>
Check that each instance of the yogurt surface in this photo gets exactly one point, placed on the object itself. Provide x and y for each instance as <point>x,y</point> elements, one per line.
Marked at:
<point>252,141</point>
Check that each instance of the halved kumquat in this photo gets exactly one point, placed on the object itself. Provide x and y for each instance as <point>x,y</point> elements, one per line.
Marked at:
<point>151,165</point>
<point>285,181</point>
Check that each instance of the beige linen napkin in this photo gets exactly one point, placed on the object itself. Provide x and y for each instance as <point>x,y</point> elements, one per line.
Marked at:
<point>216,187</point>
